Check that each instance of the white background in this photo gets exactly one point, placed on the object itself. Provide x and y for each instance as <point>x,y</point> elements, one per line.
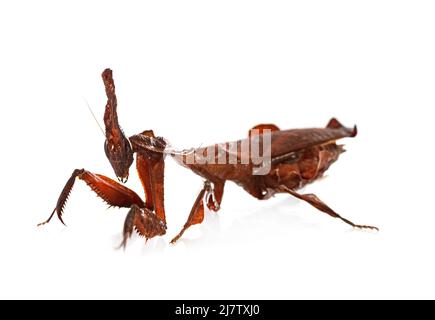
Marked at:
<point>199,72</point>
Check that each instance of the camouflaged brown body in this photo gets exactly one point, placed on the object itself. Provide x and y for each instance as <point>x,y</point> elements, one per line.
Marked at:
<point>297,157</point>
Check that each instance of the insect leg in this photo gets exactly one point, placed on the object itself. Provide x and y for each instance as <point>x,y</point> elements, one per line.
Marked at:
<point>151,169</point>
<point>196,215</point>
<point>215,198</point>
<point>144,221</point>
<point>320,205</point>
<point>149,220</point>
<point>112,192</point>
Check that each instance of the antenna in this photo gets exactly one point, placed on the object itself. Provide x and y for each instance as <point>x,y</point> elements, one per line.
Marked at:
<point>93,115</point>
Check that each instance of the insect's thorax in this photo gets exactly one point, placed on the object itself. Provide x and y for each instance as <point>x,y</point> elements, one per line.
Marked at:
<point>217,162</point>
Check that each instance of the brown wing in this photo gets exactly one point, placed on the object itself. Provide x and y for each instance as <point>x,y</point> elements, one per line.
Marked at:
<point>287,141</point>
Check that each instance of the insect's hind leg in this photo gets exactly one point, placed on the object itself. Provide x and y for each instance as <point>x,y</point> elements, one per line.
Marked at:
<point>320,205</point>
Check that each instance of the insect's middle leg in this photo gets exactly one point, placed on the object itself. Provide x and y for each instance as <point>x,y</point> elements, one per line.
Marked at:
<point>215,196</point>
<point>196,215</point>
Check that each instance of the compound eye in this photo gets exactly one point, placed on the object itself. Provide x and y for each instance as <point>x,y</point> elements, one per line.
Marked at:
<point>109,146</point>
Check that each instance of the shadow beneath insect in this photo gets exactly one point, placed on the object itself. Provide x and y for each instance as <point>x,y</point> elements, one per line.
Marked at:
<point>280,216</point>
<point>155,245</point>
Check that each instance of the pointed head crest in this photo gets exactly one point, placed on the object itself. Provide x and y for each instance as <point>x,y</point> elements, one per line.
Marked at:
<point>117,146</point>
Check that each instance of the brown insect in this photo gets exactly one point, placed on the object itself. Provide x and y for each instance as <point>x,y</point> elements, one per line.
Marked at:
<point>296,157</point>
